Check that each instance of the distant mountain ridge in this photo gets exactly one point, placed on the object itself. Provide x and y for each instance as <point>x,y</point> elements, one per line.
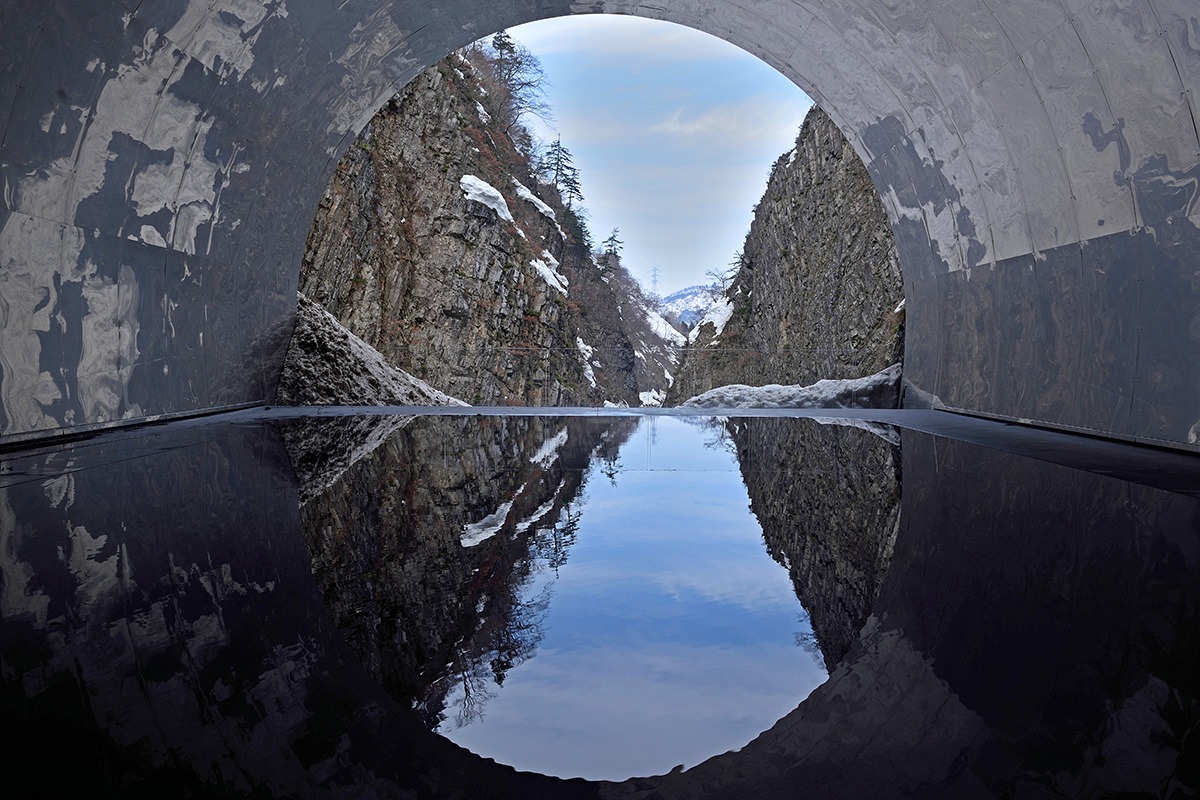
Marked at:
<point>689,305</point>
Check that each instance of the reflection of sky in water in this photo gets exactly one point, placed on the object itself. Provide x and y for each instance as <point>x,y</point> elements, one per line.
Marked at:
<point>671,633</point>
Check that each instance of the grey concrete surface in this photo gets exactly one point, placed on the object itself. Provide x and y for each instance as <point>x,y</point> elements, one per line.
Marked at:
<point>160,163</point>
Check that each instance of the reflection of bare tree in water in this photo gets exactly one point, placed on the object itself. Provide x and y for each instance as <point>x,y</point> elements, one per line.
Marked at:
<point>476,670</point>
<point>509,632</point>
<point>513,607</point>
<point>608,453</point>
<point>510,623</point>
<point>806,639</point>
<point>716,433</point>
<point>551,544</point>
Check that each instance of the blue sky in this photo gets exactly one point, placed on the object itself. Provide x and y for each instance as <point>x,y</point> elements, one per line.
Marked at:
<point>674,132</point>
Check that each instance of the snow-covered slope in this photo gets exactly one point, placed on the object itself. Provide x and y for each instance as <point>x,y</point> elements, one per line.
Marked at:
<point>662,329</point>
<point>881,390</point>
<point>718,314</point>
<point>657,345</point>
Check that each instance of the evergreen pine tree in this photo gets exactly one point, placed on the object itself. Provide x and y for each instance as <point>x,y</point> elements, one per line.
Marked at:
<point>569,186</point>
<point>555,161</point>
<point>613,244</point>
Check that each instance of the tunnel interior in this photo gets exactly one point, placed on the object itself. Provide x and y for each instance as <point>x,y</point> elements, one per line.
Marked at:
<point>1038,162</point>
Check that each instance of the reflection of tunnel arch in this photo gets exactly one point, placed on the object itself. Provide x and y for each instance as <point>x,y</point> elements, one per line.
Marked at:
<point>1038,160</point>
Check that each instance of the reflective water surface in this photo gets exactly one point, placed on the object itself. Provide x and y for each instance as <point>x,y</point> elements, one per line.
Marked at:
<point>651,627</point>
<point>282,605</point>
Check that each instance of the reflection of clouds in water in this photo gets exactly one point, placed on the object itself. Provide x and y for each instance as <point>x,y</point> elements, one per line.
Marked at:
<point>643,711</point>
<point>685,444</point>
<point>672,635</point>
<point>678,532</point>
<point>747,581</point>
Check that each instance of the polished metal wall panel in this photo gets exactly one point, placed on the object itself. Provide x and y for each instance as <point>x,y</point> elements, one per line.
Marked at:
<point>160,164</point>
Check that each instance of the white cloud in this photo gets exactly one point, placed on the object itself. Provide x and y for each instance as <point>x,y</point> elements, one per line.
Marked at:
<point>629,39</point>
<point>755,120</point>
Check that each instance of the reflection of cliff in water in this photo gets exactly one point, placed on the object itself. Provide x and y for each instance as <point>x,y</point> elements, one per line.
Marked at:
<point>828,500</point>
<point>422,546</point>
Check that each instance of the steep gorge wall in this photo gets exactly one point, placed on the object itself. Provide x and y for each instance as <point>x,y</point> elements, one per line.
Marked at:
<point>447,287</point>
<point>819,284</point>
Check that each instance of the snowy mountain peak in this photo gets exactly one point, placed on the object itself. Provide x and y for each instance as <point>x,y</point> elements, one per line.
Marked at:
<point>688,305</point>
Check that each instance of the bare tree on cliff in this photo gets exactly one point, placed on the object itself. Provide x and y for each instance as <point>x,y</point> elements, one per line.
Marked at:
<point>722,279</point>
<point>518,84</point>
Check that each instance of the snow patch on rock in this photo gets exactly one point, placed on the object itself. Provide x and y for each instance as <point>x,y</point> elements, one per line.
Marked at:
<point>528,196</point>
<point>586,351</point>
<point>481,191</point>
<point>487,527</point>
<point>718,316</point>
<point>542,510</point>
<point>881,390</point>
<point>549,272</point>
<point>547,454</point>
<point>652,398</point>
<point>884,431</point>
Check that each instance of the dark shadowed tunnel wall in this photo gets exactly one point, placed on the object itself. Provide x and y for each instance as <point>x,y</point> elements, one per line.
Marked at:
<point>1039,160</point>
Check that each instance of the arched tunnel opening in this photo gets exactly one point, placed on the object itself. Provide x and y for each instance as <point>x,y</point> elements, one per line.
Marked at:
<point>1036,164</point>
<point>476,245</point>
<point>161,164</point>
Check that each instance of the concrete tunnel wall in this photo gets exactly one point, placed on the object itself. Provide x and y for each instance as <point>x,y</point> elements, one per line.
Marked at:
<point>1039,160</point>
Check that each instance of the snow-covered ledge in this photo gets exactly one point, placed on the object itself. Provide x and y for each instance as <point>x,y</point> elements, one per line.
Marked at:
<point>881,390</point>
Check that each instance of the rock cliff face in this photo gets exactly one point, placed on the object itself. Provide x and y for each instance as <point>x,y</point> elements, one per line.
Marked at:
<point>328,365</point>
<point>828,500</point>
<point>435,244</point>
<point>818,289</point>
